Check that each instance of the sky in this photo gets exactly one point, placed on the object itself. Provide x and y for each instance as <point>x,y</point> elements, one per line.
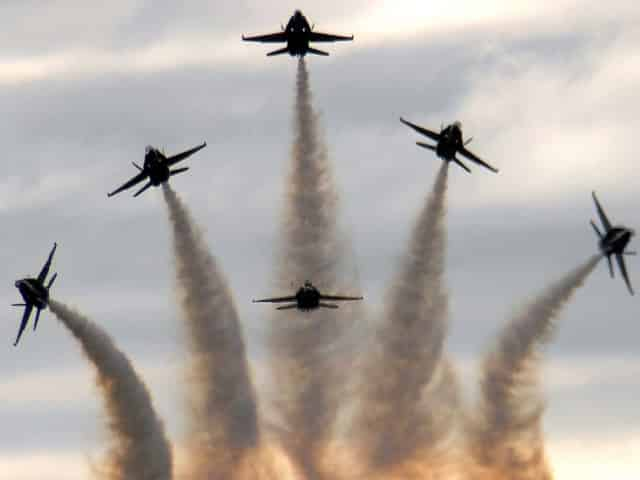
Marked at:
<point>547,91</point>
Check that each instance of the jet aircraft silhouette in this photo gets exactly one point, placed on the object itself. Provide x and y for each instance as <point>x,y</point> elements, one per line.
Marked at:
<point>449,142</point>
<point>298,34</point>
<point>613,241</point>
<point>35,294</point>
<point>157,169</point>
<point>308,298</point>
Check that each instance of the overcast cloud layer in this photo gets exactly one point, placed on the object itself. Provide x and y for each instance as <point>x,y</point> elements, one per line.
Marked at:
<point>549,95</point>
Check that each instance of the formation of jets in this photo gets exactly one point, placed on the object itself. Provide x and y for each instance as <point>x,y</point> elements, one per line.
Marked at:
<point>449,142</point>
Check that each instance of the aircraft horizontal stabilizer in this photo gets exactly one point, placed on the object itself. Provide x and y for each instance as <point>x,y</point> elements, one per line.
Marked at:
<point>328,305</point>
<point>287,307</point>
<point>142,189</point>
<point>462,165</point>
<point>426,145</point>
<point>281,51</point>
<point>315,51</point>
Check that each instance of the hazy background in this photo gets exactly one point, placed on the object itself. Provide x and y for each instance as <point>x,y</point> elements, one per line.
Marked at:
<point>548,92</point>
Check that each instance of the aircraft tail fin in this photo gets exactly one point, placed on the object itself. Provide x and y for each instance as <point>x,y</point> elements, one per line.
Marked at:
<point>596,229</point>
<point>328,305</point>
<point>281,51</point>
<point>142,189</point>
<point>35,323</point>
<point>426,145</point>
<point>315,51</point>
<point>53,279</point>
<point>178,170</point>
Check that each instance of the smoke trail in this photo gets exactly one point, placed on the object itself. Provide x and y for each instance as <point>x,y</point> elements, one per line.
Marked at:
<point>409,390</point>
<point>306,372</point>
<point>224,418</point>
<point>141,449</point>
<point>506,439</point>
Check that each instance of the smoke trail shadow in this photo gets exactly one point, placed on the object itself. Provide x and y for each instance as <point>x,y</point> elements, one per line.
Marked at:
<point>505,437</point>
<point>140,447</point>
<point>224,416</point>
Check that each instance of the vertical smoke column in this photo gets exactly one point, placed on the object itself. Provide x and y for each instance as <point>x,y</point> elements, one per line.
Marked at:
<point>305,367</point>
<point>140,449</point>
<point>506,439</point>
<point>409,391</point>
<point>224,424</point>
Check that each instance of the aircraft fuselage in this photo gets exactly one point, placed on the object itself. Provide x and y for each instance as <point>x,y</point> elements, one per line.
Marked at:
<point>298,30</point>
<point>450,142</point>
<point>155,164</point>
<point>616,240</point>
<point>308,298</point>
<point>33,292</point>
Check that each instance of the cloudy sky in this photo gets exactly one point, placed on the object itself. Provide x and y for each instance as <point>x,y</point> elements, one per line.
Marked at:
<point>549,94</point>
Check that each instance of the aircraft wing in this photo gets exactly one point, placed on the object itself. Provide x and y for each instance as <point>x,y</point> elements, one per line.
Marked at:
<point>270,38</point>
<point>181,156</point>
<point>134,181</point>
<point>601,214</point>
<point>23,324</point>
<point>326,37</point>
<point>623,270</point>
<point>466,153</point>
<point>338,298</point>
<point>45,269</point>
<point>277,299</point>
<point>427,133</point>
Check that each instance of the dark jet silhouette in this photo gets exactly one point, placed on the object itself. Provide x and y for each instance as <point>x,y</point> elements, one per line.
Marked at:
<point>449,142</point>
<point>308,298</point>
<point>614,241</point>
<point>298,33</point>
<point>35,294</point>
<point>157,169</point>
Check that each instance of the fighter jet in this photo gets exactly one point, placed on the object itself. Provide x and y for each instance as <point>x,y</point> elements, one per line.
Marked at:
<point>614,241</point>
<point>157,168</point>
<point>35,294</point>
<point>307,298</point>
<point>449,142</point>
<point>298,33</point>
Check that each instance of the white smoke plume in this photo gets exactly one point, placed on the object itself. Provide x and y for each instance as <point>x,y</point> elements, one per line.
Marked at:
<point>140,448</point>
<point>308,369</point>
<point>223,418</point>
<point>409,390</point>
<point>505,436</point>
